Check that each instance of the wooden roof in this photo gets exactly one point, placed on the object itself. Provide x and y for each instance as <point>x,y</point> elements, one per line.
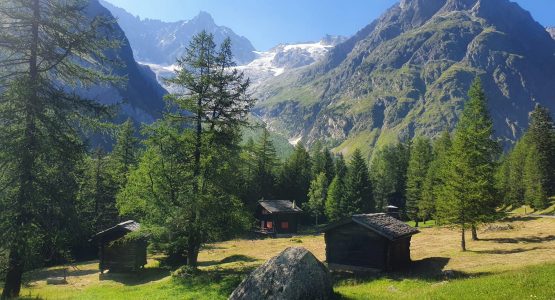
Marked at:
<point>280,206</point>
<point>382,224</point>
<point>118,231</point>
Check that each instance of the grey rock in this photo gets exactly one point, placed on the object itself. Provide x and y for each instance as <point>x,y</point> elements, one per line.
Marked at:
<point>295,274</point>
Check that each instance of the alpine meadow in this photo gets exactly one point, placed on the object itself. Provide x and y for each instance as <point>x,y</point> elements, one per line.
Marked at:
<point>303,150</point>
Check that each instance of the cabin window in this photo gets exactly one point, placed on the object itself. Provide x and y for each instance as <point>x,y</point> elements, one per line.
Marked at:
<point>285,225</point>
<point>269,225</point>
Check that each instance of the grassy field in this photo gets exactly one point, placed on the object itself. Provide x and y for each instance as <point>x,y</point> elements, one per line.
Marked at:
<point>514,259</point>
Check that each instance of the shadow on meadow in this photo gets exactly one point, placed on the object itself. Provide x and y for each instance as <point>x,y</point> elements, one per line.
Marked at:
<point>428,269</point>
<point>516,240</point>
<point>141,277</point>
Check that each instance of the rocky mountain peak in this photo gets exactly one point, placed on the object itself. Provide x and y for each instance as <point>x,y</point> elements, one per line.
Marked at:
<point>551,31</point>
<point>204,19</point>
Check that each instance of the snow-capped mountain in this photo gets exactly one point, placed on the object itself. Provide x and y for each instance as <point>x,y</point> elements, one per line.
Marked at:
<point>285,57</point>
<point>551,31</point>
<point>161,43</point>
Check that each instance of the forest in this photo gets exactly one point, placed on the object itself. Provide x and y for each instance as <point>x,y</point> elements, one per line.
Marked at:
<point>191,178</point>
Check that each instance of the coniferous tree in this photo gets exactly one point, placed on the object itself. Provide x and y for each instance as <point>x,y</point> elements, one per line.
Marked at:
<point>125,154</point>
<point>265,163</point>
<point>435,177</point>
<point>419,163</point>
<point>542,135</point>
<point>359,198</point>
<point>193,157</point>
<point>317,196</point>
<point>47,46</point>
<point>389,173</point>
<point>535,193</point>
<point>335,198</point>
<point>295,176</point>
<point>469,195</point>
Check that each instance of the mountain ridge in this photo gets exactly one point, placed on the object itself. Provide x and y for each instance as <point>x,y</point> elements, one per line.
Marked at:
<point>407,73</point>
<point>158,42</point>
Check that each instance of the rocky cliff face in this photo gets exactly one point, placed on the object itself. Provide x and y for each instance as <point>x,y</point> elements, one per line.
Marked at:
<point>158,42</point>
<point>140,96</point>
<point>407,74</point>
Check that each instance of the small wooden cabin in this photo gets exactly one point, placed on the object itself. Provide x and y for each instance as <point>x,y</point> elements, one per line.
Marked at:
<point>371,241</point>
<point>278,217</point>
<point>120,254</point>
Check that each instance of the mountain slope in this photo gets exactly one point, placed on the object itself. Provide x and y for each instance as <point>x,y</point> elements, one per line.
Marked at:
<point>140,96</point>
<point>161,43</point>
<point>285,57</point>
<point>407,74</point>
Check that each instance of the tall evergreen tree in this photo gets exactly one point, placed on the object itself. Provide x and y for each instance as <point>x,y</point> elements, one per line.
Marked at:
<point>47,46</point>
<point>434,180</point>
<point>198,166</point>
<point>295,176</point>
<point>469,196</point>
<point>542,136</point>
<point>265,163</point>
<point>359,198</point>
<point>335,198</point>
<point>389,173</point>
<point>124,157</point>
<point>419,163</point>
<point>535,193</point>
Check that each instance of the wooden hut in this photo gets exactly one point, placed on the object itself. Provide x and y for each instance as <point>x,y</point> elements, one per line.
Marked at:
<point>118,252</point>
<point>372,241</point>
<point>278,217</point>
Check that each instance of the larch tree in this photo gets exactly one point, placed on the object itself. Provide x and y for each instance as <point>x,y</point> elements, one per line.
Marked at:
<point>264,173</point>
<point>469,196</point>
<point>542,135</point>
<point>196,151</point>
<point>535,193</point>
<point>419,163</point>
<point>317,196</point>
<point>47,48</point>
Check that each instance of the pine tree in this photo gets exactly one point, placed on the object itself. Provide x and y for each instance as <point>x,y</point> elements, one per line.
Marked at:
<point>542,136</point>
<point>44,45</point>
<point>535,194</point>
<point>295,176</point>
<point>389,172</point>
<point>317,196</point>
<point>419,163</point>
<point>199,158</point>
<point>434,180</point>
<point>469,195</point>
<point>359,198</point>
<point>335,198</point>
<point>125,154</point>
<point>265,163</point>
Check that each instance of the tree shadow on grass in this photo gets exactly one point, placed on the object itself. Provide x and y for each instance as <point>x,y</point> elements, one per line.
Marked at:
<point>505,251</point>
<point>43,274</point>
<point>137,278</point>
<point>518,218</point>
<point>530,240</point>
<point>429,269</point>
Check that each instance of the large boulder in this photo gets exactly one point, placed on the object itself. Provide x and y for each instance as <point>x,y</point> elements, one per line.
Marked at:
<point>295,274</point>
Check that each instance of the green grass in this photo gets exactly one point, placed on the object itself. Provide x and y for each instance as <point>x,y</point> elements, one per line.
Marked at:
<point>528,283</point>
<point>426,224</point>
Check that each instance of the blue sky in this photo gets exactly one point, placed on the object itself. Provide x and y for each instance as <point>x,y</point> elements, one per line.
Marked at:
<point>267,23</point>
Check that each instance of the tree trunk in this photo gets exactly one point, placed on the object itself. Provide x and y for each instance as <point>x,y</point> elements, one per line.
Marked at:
<point>463,240</point>
<point>474,233</point>
<point>192,256</point>
<point>12,285</point>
